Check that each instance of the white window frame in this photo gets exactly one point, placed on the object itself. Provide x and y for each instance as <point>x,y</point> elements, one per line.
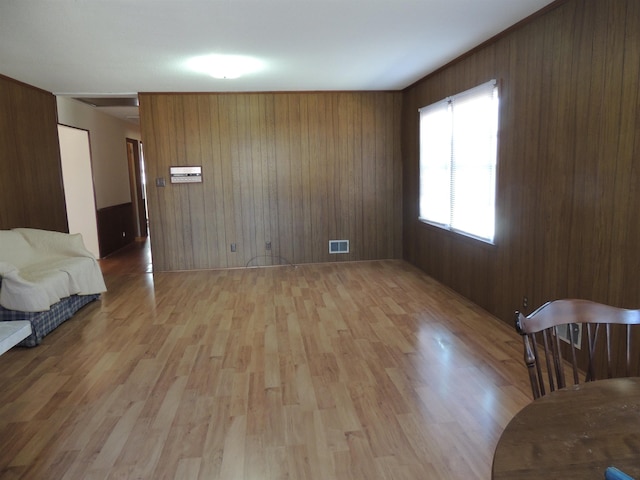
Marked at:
<point>458,155</point>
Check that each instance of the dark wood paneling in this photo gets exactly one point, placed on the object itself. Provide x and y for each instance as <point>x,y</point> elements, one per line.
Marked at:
<point>31,192</point>
<point>568,179</point>
<point>116,227</point>
<point>137,188</point>
<point>296,169</point>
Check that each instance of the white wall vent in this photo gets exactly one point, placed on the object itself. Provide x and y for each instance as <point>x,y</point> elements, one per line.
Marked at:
<point>565,332</point>
<point>338,246</point>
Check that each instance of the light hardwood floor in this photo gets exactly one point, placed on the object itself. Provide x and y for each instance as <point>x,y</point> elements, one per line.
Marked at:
<point>367,370</point>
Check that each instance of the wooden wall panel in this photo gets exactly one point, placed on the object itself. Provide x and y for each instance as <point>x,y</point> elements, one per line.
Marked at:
<point>568,220</point>
<point>31,192</point>
<point>116,227</point>
<point>295,169</point>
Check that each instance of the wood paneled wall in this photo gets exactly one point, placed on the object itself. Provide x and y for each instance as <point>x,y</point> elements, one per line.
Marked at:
<point>31,192</point>
<point>295,169</point>
<point>568,198</point>
<point>116,228</point>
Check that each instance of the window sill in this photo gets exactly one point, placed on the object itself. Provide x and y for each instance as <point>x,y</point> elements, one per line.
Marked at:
<point>457,235</point>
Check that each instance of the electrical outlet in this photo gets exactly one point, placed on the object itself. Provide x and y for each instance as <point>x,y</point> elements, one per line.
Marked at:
<point>233,247</point>
<point>525,302</point>
<point>267,245</point>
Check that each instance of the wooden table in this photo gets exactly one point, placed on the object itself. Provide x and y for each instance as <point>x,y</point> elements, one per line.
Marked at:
<point>574,433</point>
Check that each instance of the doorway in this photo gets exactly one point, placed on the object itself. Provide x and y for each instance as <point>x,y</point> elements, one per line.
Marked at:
<point>77,178</point>
<point>137,185</point>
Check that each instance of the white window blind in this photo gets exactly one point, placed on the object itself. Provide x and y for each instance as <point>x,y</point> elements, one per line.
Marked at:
<point>458,149</point>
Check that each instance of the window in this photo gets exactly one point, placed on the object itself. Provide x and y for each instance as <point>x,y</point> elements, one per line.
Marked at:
<point>458,150</point>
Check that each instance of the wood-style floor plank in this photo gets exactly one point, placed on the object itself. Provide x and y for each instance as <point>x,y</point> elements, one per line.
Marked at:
<point>367,370</point>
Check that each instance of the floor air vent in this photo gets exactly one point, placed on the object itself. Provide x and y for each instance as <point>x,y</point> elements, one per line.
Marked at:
<point>338,246</point>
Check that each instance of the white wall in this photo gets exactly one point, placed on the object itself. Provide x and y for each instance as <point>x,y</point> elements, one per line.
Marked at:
<point>108,148</point>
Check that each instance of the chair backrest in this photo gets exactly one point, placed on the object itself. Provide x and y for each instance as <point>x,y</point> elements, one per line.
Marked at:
<point>597,343</point>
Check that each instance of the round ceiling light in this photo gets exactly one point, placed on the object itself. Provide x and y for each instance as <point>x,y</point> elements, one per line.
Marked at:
<point>225,66</point>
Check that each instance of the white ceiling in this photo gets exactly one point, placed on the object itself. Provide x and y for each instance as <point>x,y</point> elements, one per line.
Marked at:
<point>120,47</point>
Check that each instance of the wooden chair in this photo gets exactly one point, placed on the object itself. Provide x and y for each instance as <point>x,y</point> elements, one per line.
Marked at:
<point>598,343</point>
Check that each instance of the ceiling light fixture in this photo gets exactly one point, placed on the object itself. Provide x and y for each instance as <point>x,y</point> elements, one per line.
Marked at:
<point>225,66</point>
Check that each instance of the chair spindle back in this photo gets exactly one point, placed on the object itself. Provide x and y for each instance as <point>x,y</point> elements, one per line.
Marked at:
<point>551,360</point>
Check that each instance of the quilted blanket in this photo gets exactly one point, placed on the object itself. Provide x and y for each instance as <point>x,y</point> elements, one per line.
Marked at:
<point>38,268</point>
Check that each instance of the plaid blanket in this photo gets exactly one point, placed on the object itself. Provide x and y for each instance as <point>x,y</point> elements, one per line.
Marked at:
<point>43,323</point>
